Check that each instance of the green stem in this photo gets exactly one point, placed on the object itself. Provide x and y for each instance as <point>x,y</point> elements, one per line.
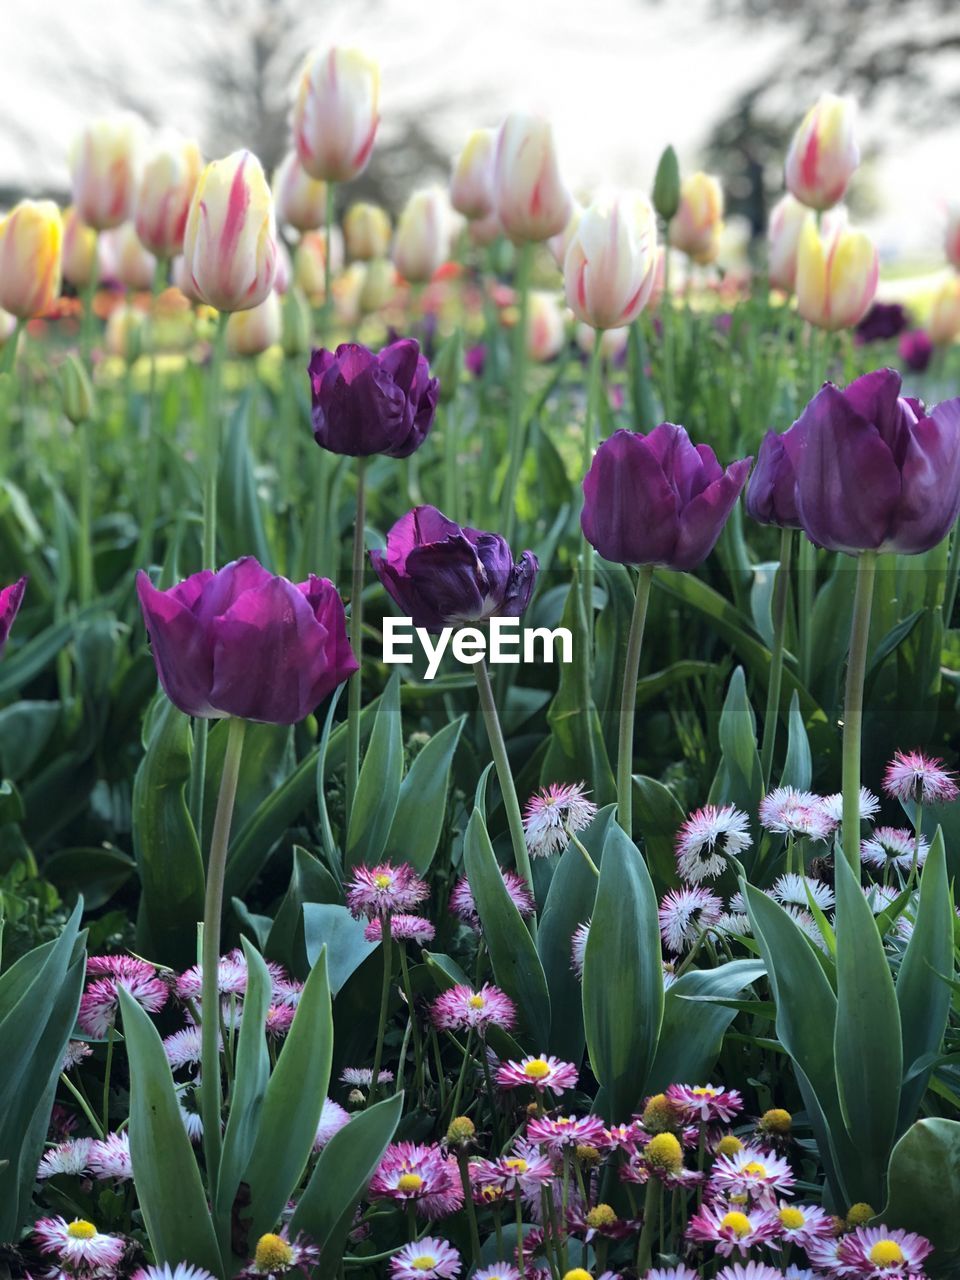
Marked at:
<point>508,791</point>
<point>327,315</point>
<point>106,1079</point>
<point>771,716</point>
<point>85,516</point>
<point>574,840</point>
<point>462,1076</point>
<point>210,1084</point>
<point>386,945</point>
<point>953,572</point>
<point>853,706</point>
<point>451,479</point>
<point>651,1216</point>
<point>516,426</point>
<point>411,1014</point>
<point>917,832</point>
<point>464,1166</point>
<point>628,700</point>
<point>806,598</point>
<point>152,464</point>
<point>589,444</point>
<point>356,642</point>
<point>213,441</point>
<point>83,1104</point>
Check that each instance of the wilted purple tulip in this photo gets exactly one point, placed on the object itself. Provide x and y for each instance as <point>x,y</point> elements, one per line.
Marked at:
<point>771,496</point>
<point>365,403</point>
<point>441,574</point>
<point>658,499</point>
<point>874,470</point>
<point>241,642</point>
<point>10,600</point>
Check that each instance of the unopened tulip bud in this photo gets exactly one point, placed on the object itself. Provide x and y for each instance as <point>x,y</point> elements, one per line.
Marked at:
<point>824,153</point>
<point>163,201</point>
<point>379,285</point>
<point>310,258</point>
<point>611,263</point>
<point>251,332</point>
<point>836,276</point>
<point>105,169</point>
<point>366,231</point>
<point>31,239</point>
<point>787,218</point>
<point>697,225</point>
<point>124,333</point>
<point>296,334</point>
<point>79,249</point>
<point>76,391</point>
<point>124,259</point>
<point>471,187</point>
<point>952,238</point>
<point>944,323</point>
<point>230,244</point>
<point>336,113</point>
<point>546,325</point>
<point>347,291</point>
<point>666,185</point>
<point>422,241</point>
<point>447,366</point>
<point>529,195</point>
<point>301,201</point>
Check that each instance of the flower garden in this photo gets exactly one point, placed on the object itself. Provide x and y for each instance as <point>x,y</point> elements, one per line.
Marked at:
<point>638,960</point>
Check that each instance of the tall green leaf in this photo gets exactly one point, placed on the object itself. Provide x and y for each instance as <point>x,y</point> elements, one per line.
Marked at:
<point>924,1190</point>
<point>378,788</point>
<point>422,802</point>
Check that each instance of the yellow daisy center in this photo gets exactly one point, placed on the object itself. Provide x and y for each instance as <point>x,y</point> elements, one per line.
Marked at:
<point>704,1091</point>
<point>81,1230</point>
<point>664,1152</point>
<point>729,1145</point>
<point>602,1215</point>
<point>776,1120</point>
<point>738,1223</point>
<point>476,1002</point>
<point>426,1262</point>
<point>859,1213</point>
<point>536,1069</point>
<point>792,1219</point>
<point>491,1194</point>
<point>755,1169</point>
<point>885,1253</point>
<point>577,1273</point>
<point>517,1165</point>
<point>408,1182</point>
<point>272,1253</point>
<point>382,881</point>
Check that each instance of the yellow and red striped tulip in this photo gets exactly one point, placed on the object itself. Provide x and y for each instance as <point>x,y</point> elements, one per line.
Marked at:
<point>611,263</point>
<point>837,274</point>
<point>787,218</point>
<point>79,249</point>
<point>31,241</point>
<point>546,325</point>
<point>336,113</point>
<point>471,186</point>
<point>123,258</point>
<point>301,201</point>
<point>379,285</point>
<point>422,242</point>
<point>824,153</point>
<point>529,194</point>
<point>230,244</point>
<point>253,331</point>
<point>163,202</point>
<point>366,230</point>
<point>310,259</point>
<point>105,170</point>
<point>697,226</point>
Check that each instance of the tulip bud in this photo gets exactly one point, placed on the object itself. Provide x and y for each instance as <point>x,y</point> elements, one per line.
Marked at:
<point>529,195</point>
<point>422,241</point>
<point>448,366</point>
<point>166,190</point>
<point>944,323</point>
<point>471,187</point>
<point>251,332</point>
<point>296,330</point>
<point>124,259</point>
<point>836,278</point>
<point>79,249</point>
<point>335,115</point>
<point>123,335</point>
<point>347,290</point>
<point>301,201</point>
<point>546,325</point>
<point>379,285</point>
<point>666,185</point>
<point>783,237</point>
<point>952,238</point>
<point>366,229</point>
<point>104,169</point>
<point>309,262</point>
<point>611,263</point>
<point>230,244</point>
<point>31,238</point>
<point>824,153</point>
<point>697,225</point>
<point>76,391</point>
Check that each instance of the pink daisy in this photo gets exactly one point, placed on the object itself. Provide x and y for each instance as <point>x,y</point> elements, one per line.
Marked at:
<point>99,1003</point>
<point>384,889</point>
<point>287,991</point>
<point>363,1076</point>
<point>705,1102</point>
<point>893,846</point>
<point>525,1168</point>
<point>333,1117</point>
<point>790,812</point>
<point>67,1157</point>
<point>182,1048</point>
<point>463,906</point>
<point>277,1255</point>
<point>751,1172</point>
<point>462,1009</point>
<point>404,927</point>
<point>801,1223</point>
<point>880,896</point>
<point>749,1271</point>
<point>578,947</point>
<point>110,1157</point>
<point>182,1271</point>
<point>910,775</point>
<point>231,977</point>
<point>426,1259</point>
<point>78,1244</point>
<point>869,805</point>
<point>875,1252</point>
<point>565,1131</point>
<point>824,1253</point>
<point>542,1072</point>
<point>792,890</point>
<point>685,913</point>
<point>424,1175</point>
<point>708,838</point>
<point>553,815</point>
<point>729,1227</point>
<point>497,1271</point>
<point>681,1272</point>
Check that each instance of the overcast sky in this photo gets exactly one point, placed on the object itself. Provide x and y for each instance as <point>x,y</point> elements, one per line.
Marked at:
<point>619,79</point>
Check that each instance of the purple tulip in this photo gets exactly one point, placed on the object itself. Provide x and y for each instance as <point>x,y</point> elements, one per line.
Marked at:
<point>916,350</point>
<point>241,642</point>
<point>440,574</point>
<point>884,320</point>
<point>365,403</point>
<point>771,496</point>
<point>874,471</point>
<point>10,600</point>
<point>658,499</point>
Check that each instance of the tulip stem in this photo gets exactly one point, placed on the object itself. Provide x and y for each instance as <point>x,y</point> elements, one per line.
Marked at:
<point>210,1083</point>
<point>589,444</point>
<point>518,371</point>
<point>508,791</point>
<point>853,706</point>
<point>781,591</point>
<point>327,316</point>
<point>387,949</point>
<point>213,440</point>
<point>145,544</point>
<point>628,700</point>
<point>85,516</point>
<point>953,570</point>
<point>356,643</point>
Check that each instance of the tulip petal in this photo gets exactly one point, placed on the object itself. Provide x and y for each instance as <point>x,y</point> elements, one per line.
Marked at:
<point>181,652</point>
<point>930,495</point>
<point>702,519</point>
<point>630,510</point>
